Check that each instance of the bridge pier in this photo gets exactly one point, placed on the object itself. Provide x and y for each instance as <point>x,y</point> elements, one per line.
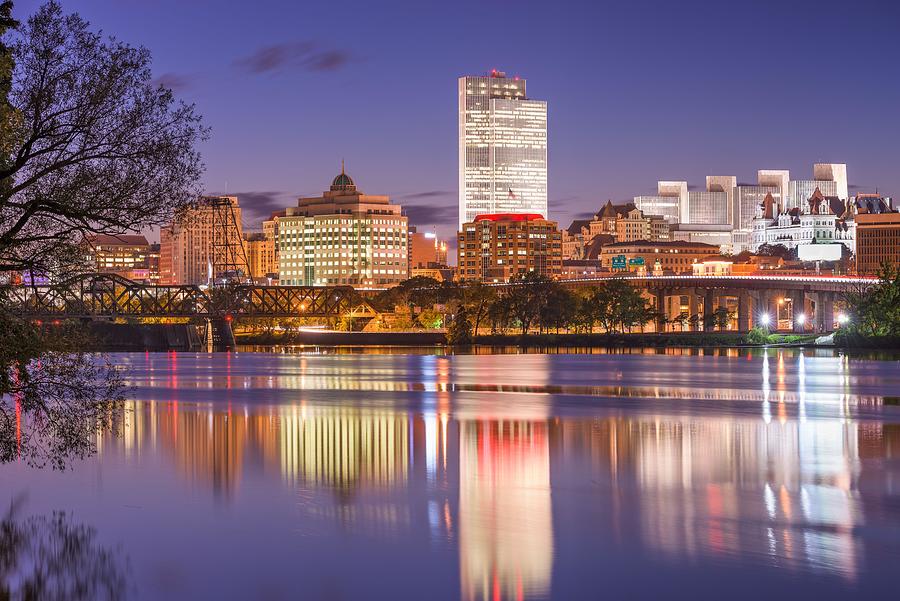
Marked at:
<point>709,299</point>
<point>219,335</point>
<point>744,319</point>
<point>693,309</point>
<point>798,309</point>
<point>825,311</point>
<point>661,310</point>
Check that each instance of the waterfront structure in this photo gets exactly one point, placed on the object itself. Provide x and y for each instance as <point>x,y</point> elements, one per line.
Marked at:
<point>502,147</point>
<point>344,237</point>
<point>822,220</point>
<point>260,249</point>
<point>204,244</point>
<point>125,255</point>
<point>498,247</point>
<point>426,250</point>
<point>645,257</point>
<point>877,241</point>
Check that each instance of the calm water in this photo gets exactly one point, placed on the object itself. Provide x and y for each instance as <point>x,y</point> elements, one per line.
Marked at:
<point>641,476</point>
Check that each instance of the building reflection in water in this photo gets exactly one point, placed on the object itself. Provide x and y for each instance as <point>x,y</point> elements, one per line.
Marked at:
<point>505,517</point>
<point>778,484</point>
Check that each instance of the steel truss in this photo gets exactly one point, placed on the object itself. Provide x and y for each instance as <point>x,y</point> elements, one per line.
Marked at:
<point>109,295</point>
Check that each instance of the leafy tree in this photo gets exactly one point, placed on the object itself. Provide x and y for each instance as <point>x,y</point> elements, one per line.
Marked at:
<point>88,144</point>
<point>526,297</point>
<point>429,318</point>
<point>721,317</point>
<point>875,310</point>
<point>777,250</point>
<point>460,330</point>
<point>559,309</point>
<point>477,297</point>
<point>619,306</point>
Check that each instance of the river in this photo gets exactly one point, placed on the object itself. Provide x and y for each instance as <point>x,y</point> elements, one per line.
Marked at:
<point>316,475</point>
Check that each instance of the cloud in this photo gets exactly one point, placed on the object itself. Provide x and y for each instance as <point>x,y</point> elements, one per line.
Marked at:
<point>177,82</point>
<point>257,206</point>
<point>426,214</point>
<point>428,194</point>
<point>307,56</point>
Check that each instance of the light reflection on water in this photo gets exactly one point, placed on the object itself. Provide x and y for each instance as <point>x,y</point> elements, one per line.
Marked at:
<point>499,475</point>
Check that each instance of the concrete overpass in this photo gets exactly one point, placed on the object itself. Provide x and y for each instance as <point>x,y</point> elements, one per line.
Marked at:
<point>809,300</point>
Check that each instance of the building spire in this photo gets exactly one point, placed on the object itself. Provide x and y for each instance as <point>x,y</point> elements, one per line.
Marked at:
<point>342,167</point>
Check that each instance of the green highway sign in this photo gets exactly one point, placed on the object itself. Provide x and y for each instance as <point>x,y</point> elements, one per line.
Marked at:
<point>618,262</point>
<point>636,261</point>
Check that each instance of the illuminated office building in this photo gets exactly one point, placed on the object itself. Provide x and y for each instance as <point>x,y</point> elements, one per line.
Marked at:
<point>343,237</point>
<point>496,248</point>
<point>188,250</point>
<point>502,148</point>
<point>124,255</point>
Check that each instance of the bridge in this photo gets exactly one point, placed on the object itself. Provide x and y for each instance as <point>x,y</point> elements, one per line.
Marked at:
<point>809,300</point>
<point>109,295</point>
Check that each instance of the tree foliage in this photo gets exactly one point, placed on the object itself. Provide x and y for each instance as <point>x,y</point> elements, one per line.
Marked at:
<point>875,310</point>
<point>88,144</point>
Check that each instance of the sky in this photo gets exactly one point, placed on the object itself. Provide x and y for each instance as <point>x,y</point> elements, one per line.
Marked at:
<point>637,91</point>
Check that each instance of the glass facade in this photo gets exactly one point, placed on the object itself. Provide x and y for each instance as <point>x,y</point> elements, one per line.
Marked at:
<point>747,200</point>
<point>707,208</point>
<point>800,190</point>
<point>502,148</point>
<point>667,207</point>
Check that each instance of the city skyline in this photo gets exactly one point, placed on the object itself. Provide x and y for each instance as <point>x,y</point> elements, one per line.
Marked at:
<point>624,116</point>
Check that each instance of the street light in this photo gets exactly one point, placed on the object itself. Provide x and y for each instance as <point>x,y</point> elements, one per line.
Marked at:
<point>765,319</point>
<point>801,319</point>
<point>843,318</point>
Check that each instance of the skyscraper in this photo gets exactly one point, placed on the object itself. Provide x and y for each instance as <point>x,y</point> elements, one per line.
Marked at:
<point>502,148</point>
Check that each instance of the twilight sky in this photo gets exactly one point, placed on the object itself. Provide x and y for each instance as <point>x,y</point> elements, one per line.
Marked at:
<point>637,91</point>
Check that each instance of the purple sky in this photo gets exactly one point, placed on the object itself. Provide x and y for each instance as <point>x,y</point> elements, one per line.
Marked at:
<point>637,91</point>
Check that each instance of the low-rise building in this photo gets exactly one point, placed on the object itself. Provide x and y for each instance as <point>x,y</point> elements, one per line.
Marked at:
<point>648,257</point>
<point>497,247</point>
<point>877,241</point>
<point>124,255</point>
<point>822,219</point>
<point>579,269</point>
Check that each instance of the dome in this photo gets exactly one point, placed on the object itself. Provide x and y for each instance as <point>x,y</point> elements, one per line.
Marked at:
<point>342,181</point>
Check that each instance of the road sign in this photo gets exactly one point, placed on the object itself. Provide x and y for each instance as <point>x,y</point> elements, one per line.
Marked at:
<point>636,261</point>
<point>618,262</point>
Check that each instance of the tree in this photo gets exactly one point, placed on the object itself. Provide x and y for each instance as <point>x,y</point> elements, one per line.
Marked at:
<point>559,308</point>
<point>777,250</point>
<point>88,144</point>
<point>526,296</point>
<point>721,317</point>
<point>477,297</point>
<point>460,330</point>
<point>875,310</point>
<point>619,306</point>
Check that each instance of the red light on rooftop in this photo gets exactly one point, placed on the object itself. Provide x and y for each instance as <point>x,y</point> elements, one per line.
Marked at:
<point>509,217</point>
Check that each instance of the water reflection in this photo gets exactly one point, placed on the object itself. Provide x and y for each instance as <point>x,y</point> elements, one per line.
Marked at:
<point>507,474</point>
<point>779,492</point>
<point>54,557</point>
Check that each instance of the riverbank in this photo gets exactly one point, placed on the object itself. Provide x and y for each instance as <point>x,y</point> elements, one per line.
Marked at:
<point>684,339</point>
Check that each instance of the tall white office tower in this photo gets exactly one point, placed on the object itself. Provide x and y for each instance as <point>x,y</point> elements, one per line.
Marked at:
<point>833,172</point>
<point>502,147</point>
